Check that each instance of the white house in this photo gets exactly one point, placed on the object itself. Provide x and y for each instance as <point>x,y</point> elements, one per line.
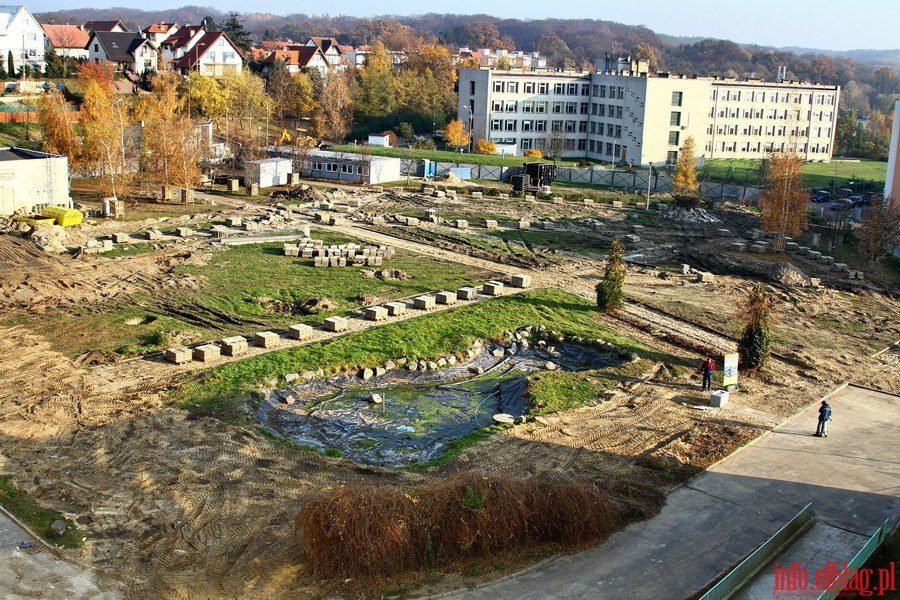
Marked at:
<point>129,51</point>
<point>159,32</point>
<point>68,41</point>
<point>22,36</point>
<point>352,168</point>
<point>30,180</point>
<point>212,53</point>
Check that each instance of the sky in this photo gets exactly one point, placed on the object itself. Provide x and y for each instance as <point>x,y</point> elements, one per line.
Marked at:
<point>823,24</point>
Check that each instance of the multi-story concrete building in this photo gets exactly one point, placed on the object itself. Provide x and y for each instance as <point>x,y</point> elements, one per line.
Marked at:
<point>621,114</point>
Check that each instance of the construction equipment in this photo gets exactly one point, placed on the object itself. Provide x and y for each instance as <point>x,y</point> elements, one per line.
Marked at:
<point>299,139</point>
<point>534,177</point>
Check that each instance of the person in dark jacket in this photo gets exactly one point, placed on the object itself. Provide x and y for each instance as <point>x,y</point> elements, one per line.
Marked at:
<point>824,417</point>
<point>707,371</point>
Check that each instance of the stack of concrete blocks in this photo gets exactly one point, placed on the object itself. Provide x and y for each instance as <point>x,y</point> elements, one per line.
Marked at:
<point>791,246</point>
<point>439,194</point>
<point>253,189</point>
<point>490,224</point>
<point>184,231</point>
<point>412,221</point>
<point>207,352</point>
<point>337,261</point>
<point>395,308</point>
<point>466,293</point>
<point>477,194</point>
<point>814,255</point>
<point>233,221</point>
<point>178,355</point>
<point>631,238</point>
<point>504,196</point>
<point>521,281</point>
<point>462,224</point>
<point>446,298</point>
<point>423,302</point>
<point>378,220</point>
<point>557,200</point>
<point>217,233</point>
<point>301,331</point>
<point>187,196</point>
<point>121,238</point>
<point>739,246</point>
<point>529,198</point>
<point>588,200</point>
<point>493,288</point>
<point>858,275</point>
<point>523,224</point>
<point>759,247</point>
<point>320,261</point>
<point>617,204</point>
<point>154,234</point>
<point>839,267</point>
<point>251,226</point>
<point>637,228</point>
<point>336,324</point>
<point>428,191</point>
<point>234,185</point>
<point>235,345</point>
<point>450,193</point>
<point>826,260</point>
<point>267,339</point>
<point>292,250</point>
<point>375,313</point>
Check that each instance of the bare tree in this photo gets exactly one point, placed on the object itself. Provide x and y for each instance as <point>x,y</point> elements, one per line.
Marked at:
<point>879,230</point>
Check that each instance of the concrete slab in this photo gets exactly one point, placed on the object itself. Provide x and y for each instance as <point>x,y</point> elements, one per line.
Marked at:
<point>852,478</point>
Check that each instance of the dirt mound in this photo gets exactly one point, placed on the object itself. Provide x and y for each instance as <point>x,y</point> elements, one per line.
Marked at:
<point>788,274</point>
<point>367,299</point>
<point>49,238</point>
<point>314,306</point>
<point>451,178</point>
<point>689,215</point>
<point>385,274</point>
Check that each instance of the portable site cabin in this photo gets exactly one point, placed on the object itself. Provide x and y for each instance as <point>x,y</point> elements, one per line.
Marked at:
<point>63,216</point>
<point>352,168</point>
<point>268,172</point>
<point>30,180</point>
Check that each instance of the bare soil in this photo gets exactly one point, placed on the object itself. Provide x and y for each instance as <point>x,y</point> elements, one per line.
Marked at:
<point>180,507</point>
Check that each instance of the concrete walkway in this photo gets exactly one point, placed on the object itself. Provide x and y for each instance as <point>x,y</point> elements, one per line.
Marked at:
<point>852,477</point>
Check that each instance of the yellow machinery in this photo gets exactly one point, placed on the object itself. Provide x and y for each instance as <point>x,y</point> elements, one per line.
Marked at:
<point>300,139</point>
<point>63,216</point>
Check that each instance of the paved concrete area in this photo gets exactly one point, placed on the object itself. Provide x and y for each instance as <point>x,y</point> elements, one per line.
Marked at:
<point>852,478</point>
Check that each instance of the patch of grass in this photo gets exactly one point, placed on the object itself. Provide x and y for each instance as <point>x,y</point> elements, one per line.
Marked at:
<point>473,438</point>
<point>223,390</point>
<point>556,391</point>
<point>37,518</point>
<point>122,250</point>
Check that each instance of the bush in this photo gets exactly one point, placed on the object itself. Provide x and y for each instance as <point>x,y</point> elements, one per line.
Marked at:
<point>492,192</point>
<point>686,201</point>
<point>533,152</point>
<point>372,533</point>
<point>485,147</point>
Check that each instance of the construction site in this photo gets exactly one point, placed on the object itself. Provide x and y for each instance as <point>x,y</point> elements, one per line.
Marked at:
<point>180,382</point>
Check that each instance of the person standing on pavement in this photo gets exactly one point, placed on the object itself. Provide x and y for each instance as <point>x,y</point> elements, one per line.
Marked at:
<point>709,366</point>
<point>824,417</point>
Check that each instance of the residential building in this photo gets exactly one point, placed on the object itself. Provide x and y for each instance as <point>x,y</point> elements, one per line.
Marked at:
<point>892,178</point>
<point>31,180</point>
<point>68,41</point>
<point>192,48</point>
<point>296,58</point>
<point>508,59</point>
<point>621,114</point>
<point>127,51</point>
<point>159,32</point>
<point>108,26</point>
<point>331,50</point>
<point>360,55</point>
<point>22,37</point>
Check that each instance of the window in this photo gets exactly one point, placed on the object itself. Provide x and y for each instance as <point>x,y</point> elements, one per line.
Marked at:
<point>498,86</point>
<point>585,89</point>
<point>618,112</point>
<point>570,126</point>
<point>675,119</point>
<point>497,105</point>
<point>471,88</point>
<point>620,92</point>
<point>540,107</point>
<point>609,130</point>
<point>346,168</point>
<point>512,87</point>
<point>582,126</point>
<point>602,92</point>
<point>556,125</point>
<point>332,167</point>
<point>557,107</point>
<point>595,90</point>
<point>543,87</point>
<point>673,138</point>
<point>96,47</point>
<point>618,131</point>
<point>583,108</point>
<point>609,148</point>
<point>527,125</point>
<point>528,106</point>
<point>601,110</point>
<point>540,143</point>
<point>572,89</point>
<point>569,144</point>
<point>671,157</point>
<point>582,144</point>
<point>540,125</point>
<point>571,108</point>
<point>211,56</point>
<point>593,128</point>
<point>528,87</point>
<point>317,165</point>
<point>559,88</point>
<point>511,106</point>
<point>526,143</point>
<point>676,98</point>
<point>496,125</point>
<point>510,125</point>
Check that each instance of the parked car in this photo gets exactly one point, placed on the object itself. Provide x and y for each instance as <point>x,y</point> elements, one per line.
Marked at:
<point>859,200</point>
<point>842,204</point>
<point>844,193</point>
<point>821,196</point>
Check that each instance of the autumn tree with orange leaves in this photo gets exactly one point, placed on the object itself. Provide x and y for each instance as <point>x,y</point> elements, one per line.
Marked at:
<point>784,200</point>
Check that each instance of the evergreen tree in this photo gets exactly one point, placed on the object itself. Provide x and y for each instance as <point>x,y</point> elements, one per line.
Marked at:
<point>611,290</point>
<point>10,64</point>
<point>239,36</point>
<point>755,345</point>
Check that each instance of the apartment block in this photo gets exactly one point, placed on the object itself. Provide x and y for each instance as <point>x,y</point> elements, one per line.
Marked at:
<point>621,113</point>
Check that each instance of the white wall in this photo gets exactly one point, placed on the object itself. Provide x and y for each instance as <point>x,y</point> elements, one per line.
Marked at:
<point>29,182</point>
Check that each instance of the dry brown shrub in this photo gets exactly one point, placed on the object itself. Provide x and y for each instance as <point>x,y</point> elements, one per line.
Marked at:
<point>373,533</point>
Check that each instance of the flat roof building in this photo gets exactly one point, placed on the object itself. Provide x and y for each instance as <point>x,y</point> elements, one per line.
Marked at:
<point>31,180</point>
<point>620,113</point>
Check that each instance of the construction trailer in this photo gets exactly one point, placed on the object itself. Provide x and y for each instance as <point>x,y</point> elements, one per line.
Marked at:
<point>268,172</point>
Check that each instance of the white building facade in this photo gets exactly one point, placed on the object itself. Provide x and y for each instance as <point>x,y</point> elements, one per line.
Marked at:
<point>621,114</point>
<point>21,35</point>
<point>31,180</point>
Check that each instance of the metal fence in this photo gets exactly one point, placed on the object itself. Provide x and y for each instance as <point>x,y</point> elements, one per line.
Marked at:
<point>635,181</point>
<point>750,566</point>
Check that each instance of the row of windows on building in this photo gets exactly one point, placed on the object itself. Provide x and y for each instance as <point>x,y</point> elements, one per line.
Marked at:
<point>757,147</point>
<point>333,167</point>
<point>617,91</point>
<point>770,131</point>
<point>770,113</point>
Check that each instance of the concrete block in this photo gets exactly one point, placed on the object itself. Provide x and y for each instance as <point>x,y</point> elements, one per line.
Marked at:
<point>300,331</point>
<point>184,231</point>
<point>207,352</point>
<point>588,200</point>
<point>466,293</point>
<point>529,198</point>
<point>424,302</point>
<point>523,224</point>
<point>439,194</point>
<point>375,313</point>
<point>490,224</point>
<point>154,234</point>
<point>336,324</point>
<point>395,308</point>
<point>758,248</point>
<point>235,345</point>
<point>233,221</point>
<point>477,194</point>
<point>718,399</point>
<point>412,221</point>
<point>705,277</point>
<point>377,188</point>
<point>428,191</point>
<point>267,339</point>
<point>178,355</point>
<point>462,224</point>
<point>637,228</point>
<point>631,238</point>
<point>445,297</point>
<point>617,204</point>
<point>739,246</point>
<point>120,238</point>
<point>791,246</point>
<point>839,267</point>
<point>557,200</point>
<point>521,281</point>
<point>723,232</point>
<point>379,220</point>
<point>493,288</point>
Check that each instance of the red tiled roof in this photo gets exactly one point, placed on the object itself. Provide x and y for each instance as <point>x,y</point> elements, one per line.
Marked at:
<point>66,36</point>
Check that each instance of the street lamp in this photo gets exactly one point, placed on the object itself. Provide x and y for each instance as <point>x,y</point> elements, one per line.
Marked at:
<point>649,179</point>
<point>471,125</point>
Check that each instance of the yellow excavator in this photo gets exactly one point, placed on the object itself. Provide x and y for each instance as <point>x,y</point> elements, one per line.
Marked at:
<point>299,139</point>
